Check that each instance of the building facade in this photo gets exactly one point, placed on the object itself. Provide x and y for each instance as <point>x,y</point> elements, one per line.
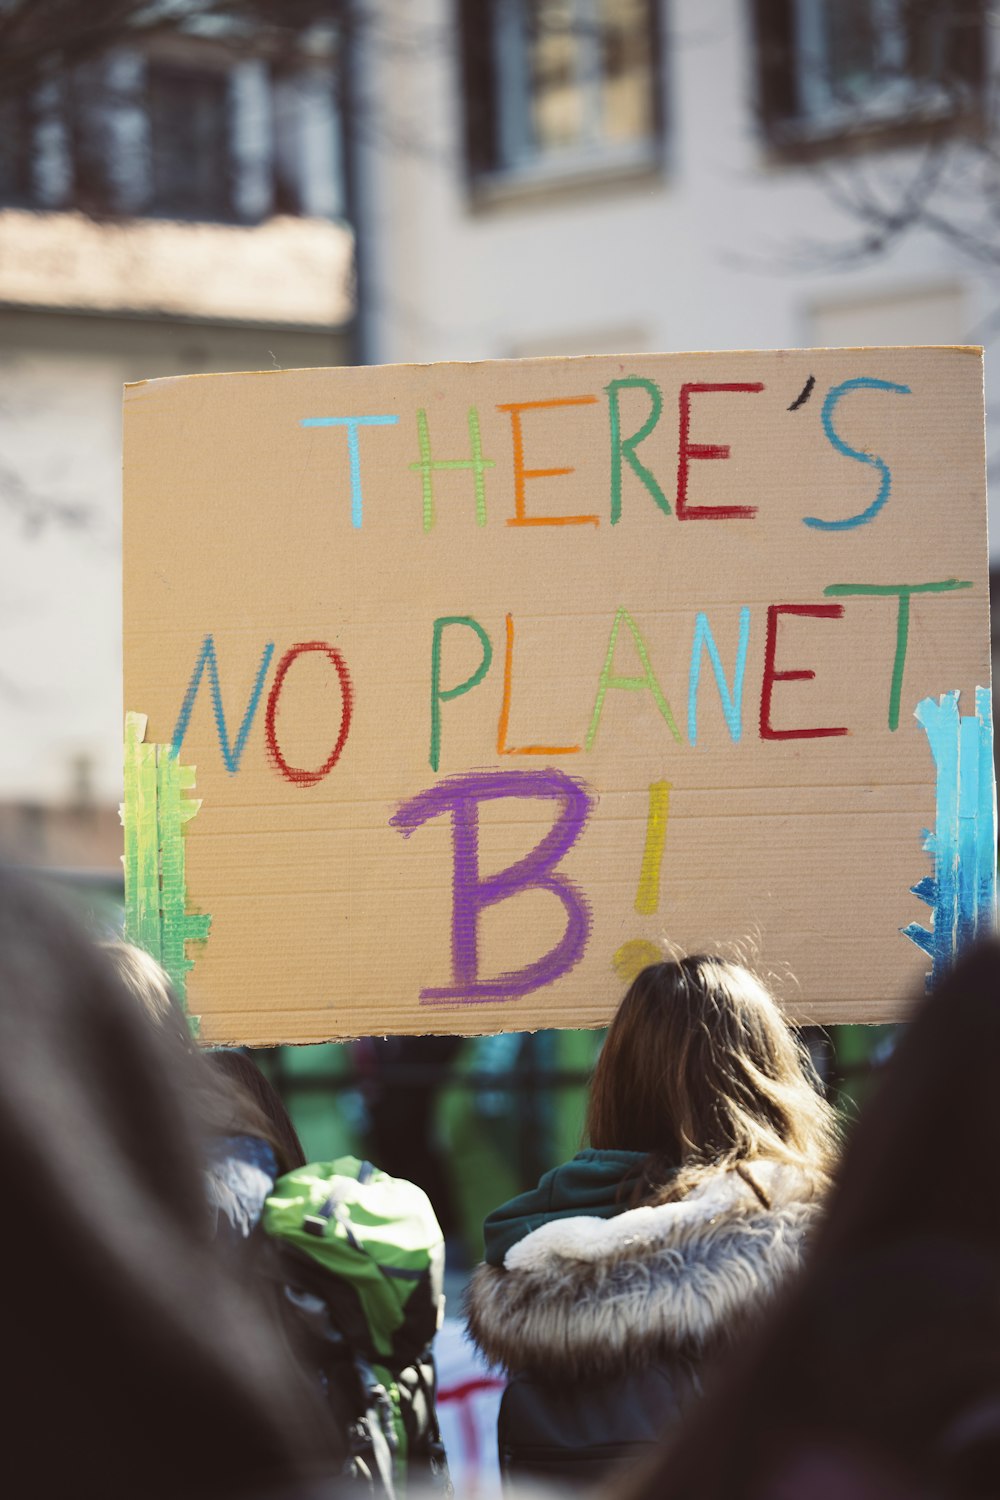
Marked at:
<point>164,209</point>
<point>571,176</point>
<point>528,177</point>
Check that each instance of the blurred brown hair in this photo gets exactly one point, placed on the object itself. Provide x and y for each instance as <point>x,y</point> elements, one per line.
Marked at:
<point>700,1069</point>
<point>243,1073</point>
<point>144,979</point>
<point>221,1104</point>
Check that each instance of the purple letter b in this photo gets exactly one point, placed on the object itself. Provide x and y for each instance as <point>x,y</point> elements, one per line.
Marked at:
<point>461,796</point>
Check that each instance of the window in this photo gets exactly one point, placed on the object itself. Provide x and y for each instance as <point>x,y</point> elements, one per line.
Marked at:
<point>15,155</point>
<point>833,67</point>
<point>190,149</point>
<point>187,135</point>
<point>559,86</point>
<point>88,107</point>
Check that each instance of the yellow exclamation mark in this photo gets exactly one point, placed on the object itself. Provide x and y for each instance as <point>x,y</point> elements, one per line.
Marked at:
<point>638,953</point>
<point>647,897</point>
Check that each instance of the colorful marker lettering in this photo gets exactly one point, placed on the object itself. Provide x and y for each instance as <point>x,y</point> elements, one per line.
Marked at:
<point>427,466</point>
<point>504,720</point>
<point>231,753</point>
<point>647,897</point>
<point>772,675</point>
<point>296,774</point>
<point>688,450</point>
<point>833,396</point>
<point>441,695</point>
<point>353,450</point>
<point>624,448</point>
<point>902,592</point>
<point>460,797</point>
<point>609,679</point>
<point>522,475</point>
<point>732,703</point>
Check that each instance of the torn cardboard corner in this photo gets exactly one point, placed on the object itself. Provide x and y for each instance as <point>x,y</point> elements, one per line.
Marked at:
<point>501,677</point>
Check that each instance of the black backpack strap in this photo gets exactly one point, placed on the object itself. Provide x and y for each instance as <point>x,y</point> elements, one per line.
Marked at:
<point>426,1457</point>
<point>373,1436</point>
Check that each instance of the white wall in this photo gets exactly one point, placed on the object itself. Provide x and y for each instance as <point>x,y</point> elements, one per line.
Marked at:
<point>60,635</point>
<point>61,383</point>
<point>706,253</point>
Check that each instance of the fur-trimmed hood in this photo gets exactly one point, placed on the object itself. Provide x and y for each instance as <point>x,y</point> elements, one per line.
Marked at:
<point>588,1296</point>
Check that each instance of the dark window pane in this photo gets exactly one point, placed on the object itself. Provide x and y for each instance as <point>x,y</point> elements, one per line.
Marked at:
<point>774,27</point>
<point>844,64</point>
<point>479,78</point>
<point>944,42</point>
<point>850,51</point>
<point>287,144</point>
<point>189,120</point>
<point>15,151</point>
<point>88,105</point>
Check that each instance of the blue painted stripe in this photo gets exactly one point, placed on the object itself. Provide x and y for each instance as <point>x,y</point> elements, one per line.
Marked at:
<point>962,890</point>
<point>986,861</point>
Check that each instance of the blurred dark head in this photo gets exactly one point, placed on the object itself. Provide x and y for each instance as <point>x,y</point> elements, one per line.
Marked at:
<point>139,1364</point>
<point>242,1073</point>
<point>922,1155</point>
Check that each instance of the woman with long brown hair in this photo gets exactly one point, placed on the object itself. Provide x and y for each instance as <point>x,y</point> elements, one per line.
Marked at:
<point>608,1288</point>
<point>878,1377</point>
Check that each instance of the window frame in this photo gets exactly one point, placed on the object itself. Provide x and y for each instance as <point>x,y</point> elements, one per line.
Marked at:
<point>220,74</point>
<point>20,125</point>
<point>84,119</point>
<point>596,161</point>
<point>793,132</point>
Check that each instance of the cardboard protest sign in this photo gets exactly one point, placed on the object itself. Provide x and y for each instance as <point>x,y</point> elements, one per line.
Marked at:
<point>484,680</point>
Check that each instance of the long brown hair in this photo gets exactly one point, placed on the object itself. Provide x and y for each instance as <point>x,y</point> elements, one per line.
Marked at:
<point>700,1070</point>
<point>887,1350</point>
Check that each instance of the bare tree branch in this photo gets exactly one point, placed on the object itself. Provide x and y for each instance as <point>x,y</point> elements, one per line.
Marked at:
<point>880,88</point>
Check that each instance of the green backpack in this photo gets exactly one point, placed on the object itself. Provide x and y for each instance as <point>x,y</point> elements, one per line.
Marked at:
<point>360,1265</point>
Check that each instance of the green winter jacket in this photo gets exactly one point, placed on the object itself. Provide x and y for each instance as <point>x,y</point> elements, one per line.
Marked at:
<point>596,1183</point>
<point>604,1314</point>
